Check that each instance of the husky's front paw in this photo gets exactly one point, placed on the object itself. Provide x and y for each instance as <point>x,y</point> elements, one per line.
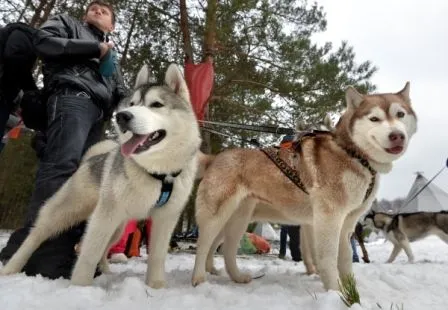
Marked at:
<point>196,280</point>
<point>81,281</point>
<point>5,271</point>
<point>243,278</point>
<point>209,267</point>
<point>104,267</point>
<point>214,271</point>
<point>118,258</point>
<point>331,284</point>
<point>157,284</point>
<point>311,269</point>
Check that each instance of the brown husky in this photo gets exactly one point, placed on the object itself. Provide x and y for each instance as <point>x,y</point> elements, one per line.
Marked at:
<point>327,182</point>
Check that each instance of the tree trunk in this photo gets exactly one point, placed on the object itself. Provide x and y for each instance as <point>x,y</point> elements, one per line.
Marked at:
<point>210,31</point>
<point>207,56</point>
<point>47,12</point>
<point>188,49</point>
<point>36,17</point>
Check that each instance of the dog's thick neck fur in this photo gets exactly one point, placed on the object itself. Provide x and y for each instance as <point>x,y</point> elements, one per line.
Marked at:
<point>157,163</point>
<point>157,170</point>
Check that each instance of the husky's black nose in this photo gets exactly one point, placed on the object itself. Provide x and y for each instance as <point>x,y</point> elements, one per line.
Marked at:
<point>396,137</point>
<point>123,119</point>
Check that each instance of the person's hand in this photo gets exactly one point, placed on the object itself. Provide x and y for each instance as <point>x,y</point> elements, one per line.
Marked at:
<point>105,47</point>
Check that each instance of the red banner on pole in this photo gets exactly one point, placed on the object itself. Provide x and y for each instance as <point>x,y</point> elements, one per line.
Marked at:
<point>200,83</point>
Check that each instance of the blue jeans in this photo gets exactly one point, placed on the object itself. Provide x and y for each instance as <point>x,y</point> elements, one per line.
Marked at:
<point>354,249</point>
<point>75,123</point>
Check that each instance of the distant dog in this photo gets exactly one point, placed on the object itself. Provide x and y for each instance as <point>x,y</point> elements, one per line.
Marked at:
<point>325,125</point>
<point>149,173</point>
<point>324,183</point>
<point>402,229</point>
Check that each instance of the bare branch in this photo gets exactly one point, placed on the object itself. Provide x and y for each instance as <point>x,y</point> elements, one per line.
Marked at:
<point>174,17</point>
<point>258,85</point>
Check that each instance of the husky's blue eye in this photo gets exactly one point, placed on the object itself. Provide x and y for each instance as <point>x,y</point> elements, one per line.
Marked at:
<point>374,119</point>
<point>156,105</point>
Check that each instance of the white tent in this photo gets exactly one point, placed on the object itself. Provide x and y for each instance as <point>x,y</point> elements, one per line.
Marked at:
<point>429,199</point>
<point>266,231</point>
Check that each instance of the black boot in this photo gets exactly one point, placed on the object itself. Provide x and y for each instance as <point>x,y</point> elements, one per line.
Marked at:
<point>55,257</point>
<point>14,242</point>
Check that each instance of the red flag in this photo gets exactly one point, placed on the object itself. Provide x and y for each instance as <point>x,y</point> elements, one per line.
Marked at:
<point>200,83</point>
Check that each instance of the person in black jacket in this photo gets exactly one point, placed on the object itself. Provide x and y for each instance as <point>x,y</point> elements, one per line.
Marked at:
<point>84,85</point>
<point>17,58</point>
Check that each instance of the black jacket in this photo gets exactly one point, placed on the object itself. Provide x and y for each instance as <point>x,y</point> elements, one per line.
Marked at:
<point>17,59</point>
<point>70,53</point>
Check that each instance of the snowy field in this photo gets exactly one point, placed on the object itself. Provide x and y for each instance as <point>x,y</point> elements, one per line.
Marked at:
<point>400,285</point>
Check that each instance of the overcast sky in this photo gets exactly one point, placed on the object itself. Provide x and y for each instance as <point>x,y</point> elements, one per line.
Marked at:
<point>408,41</point>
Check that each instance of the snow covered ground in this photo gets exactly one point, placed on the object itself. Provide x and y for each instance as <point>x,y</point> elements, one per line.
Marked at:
<point>400,285</point>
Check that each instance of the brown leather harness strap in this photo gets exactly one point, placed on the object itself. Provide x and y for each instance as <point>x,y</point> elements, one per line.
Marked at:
<point>365,163</point>
<point>293,175</point>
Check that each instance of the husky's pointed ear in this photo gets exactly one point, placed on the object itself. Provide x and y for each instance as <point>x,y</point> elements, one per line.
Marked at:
<point>175,80</point>
<point>404,93</point>
<point>143,77</point>
<point>352,97</point>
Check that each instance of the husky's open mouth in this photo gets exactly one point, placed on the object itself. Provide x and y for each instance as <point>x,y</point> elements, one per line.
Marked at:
<point>395,150</point>
<point>140,143</point>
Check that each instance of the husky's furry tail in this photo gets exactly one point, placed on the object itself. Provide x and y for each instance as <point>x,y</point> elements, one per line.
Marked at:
<point>205,160</point>
<point>102,147</point>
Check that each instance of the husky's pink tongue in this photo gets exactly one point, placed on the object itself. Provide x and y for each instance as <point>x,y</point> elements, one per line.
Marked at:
<point>131,145</point>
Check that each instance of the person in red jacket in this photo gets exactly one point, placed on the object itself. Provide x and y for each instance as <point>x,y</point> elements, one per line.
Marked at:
<point>117,253</point>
